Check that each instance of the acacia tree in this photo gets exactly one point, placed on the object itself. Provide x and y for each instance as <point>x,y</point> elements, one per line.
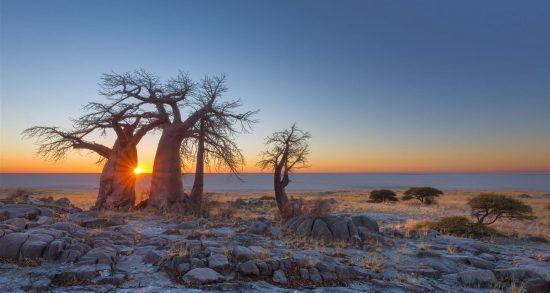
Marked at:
<point>426,195</point>
<point>286,150</point>
<point>171,99</point>
<point>214,144</point>
<point>488,208</point>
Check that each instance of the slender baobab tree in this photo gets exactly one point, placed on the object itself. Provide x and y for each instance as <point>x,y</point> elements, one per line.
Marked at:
<point>179,97</point>
<point>286,150</point>
<point>213,143</point>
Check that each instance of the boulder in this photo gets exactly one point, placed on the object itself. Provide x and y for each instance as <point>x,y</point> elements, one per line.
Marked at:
<point>26,211</point>
<point>17,223</point>
<point>241,253</point>
<point>200,276</point>
<point>279,277</point>
<point>249,268</point>
<point>219,263</point>
<point>11,244</point>
<point>333,227</point>
<point>477,278</point>
<point>258,228</point>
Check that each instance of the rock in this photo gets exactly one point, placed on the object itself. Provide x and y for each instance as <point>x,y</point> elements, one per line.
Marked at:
<point>54,249</point>
<point>315,276</point>
<point>18,223</point>
<point>321,231</point>
<point>42,220</point>
<point>26,211</point>
<point>219,263</point>
<point>249,268</point>
<point>183,267</point>
<point>477,278</point>
<point>541,256</point>
<point>514,274</point>
<point>304,274</point>
<point>152,257</point>
<point>487,256</point>
<point>332,228</point>
<point>536,286</point>
<point>66,226</point>
<point>200,276</point>
<point>345,273</point>
<point>365,221</point>
<point>258,228</point>
<point>100,255</point>
<point>525,196</point>
<point>35,245</point>
<point>279,277</point>
<point>64,202</point>
<point>480,263</point>
<point>536,239</point>
<point>265,269</point>
<point>241,253</point>
<point>79,273</point>
<point>11,244</point>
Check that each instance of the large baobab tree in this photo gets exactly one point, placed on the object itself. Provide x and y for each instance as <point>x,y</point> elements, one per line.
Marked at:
<point>286,150</point>
<point>175,99</point>
<point>130,124</point>
<point>214,143</point>
<point>117,180</point>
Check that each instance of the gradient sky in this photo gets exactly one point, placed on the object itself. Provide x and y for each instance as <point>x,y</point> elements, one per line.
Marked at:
<point>383,86</point>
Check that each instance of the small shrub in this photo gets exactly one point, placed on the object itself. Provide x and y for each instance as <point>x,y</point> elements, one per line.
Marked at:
<point>18,193</point>
<point>294,208</point>
<point>382,195</point>
<point>320,207</point>
<point>425,195</point>
<point>458,226</point>
<point>299,207</point>
<point>227,211</point>
<point>201,209</point>
<point>487,208</point>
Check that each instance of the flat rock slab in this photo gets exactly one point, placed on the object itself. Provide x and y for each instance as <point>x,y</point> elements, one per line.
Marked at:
<point>200,276</point>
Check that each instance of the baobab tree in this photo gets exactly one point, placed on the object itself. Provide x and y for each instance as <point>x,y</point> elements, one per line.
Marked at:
<point>175,99</point>
<point>117,180</point>
<point>213,143</point>
<point>286,150</point>
<point>130,124</point>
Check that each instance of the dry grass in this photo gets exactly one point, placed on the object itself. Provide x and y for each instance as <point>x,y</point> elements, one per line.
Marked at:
<point>452,203</point>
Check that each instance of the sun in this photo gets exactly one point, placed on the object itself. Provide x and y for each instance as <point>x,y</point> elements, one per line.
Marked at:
<point>138,170</point>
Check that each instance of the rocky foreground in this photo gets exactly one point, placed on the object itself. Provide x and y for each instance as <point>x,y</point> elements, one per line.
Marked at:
<point>52,246</point>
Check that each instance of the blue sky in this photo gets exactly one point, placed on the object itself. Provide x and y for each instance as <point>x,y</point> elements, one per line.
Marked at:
<point>383,86</point>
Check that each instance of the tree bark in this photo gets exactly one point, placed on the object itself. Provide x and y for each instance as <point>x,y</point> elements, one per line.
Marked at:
<point>117,181</point>
<point>195,198</point>
<point>166,192</point>
<point>280,193</point>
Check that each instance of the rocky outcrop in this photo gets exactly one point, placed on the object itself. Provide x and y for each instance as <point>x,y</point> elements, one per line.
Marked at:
<point>333,228</point>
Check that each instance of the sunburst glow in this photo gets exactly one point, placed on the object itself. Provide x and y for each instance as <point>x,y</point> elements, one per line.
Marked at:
<point>137,170</point>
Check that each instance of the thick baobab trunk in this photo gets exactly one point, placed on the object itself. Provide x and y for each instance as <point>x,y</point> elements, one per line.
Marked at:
<point>195,198</point>
<point>279,184</point>
<point>166,192</point>
<point>117,181</point>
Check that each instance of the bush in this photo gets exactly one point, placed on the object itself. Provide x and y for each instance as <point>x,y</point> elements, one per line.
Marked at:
<point>487,208</point>
<point>19,192</point>
<point>382,195</point>
<point>299,207</point>
<point>458,226</point>
<point>425,195</point>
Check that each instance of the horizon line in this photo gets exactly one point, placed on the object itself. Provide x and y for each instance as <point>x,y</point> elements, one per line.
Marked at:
<point>314,172</point>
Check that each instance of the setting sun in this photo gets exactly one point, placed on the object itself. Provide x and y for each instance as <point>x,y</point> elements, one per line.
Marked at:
<point>137,170</point>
